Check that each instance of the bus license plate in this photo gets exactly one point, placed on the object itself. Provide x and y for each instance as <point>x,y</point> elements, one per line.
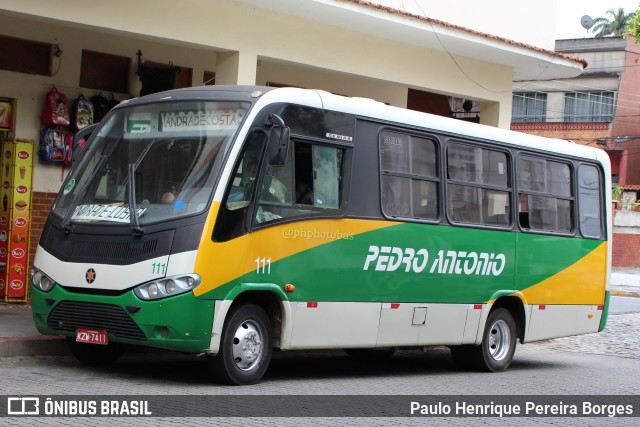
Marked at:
<point>92,336</point>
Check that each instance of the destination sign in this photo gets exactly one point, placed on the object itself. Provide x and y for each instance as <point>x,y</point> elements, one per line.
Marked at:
<point>111,213</point>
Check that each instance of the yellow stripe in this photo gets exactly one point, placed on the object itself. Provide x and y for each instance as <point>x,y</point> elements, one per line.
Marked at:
<point>219,263</point>
<point>584,282</point>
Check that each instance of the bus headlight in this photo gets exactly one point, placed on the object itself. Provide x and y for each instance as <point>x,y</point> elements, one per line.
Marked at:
<point>167,287</point>
<point>41,280</point>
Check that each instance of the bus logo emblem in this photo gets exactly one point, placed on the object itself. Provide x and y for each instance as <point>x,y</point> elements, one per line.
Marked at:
<point>90,276</point>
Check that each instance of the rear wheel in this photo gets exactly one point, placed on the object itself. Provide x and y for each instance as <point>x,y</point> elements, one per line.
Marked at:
<point>95,354</point>
<point>498,346</point>
<point>245,347</point>
<point>498,342</point>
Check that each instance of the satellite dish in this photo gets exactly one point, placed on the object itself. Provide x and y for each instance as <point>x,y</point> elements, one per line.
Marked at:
<point>587,22</point>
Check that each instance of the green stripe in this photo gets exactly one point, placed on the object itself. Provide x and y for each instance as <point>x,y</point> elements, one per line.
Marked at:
<point>334,271</point>
<point>605,312</point>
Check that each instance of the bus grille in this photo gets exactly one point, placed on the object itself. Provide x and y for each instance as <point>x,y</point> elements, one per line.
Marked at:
<point>71,315</point>
<point>104,250</point>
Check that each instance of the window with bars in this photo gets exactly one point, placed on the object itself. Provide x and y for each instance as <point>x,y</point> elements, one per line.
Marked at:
<point>589,106</point>
<point>529,107</point>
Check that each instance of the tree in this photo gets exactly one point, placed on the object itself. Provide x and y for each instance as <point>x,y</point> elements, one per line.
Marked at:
<point>633,26</point>
<point>615,27</point>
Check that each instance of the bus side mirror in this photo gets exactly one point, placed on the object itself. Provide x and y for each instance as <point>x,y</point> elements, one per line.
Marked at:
<point>82,134</point>
<point>278,141</point>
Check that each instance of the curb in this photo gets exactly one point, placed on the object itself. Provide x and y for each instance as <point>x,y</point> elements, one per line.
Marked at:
<point>33,346</point>
<point>626,294</point>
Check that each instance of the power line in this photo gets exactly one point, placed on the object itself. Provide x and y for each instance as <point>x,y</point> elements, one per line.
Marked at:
<point>532,82</point>
<point>456,62</point>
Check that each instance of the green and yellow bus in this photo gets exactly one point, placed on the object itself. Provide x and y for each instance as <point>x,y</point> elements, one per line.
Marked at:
<point>232,221</point>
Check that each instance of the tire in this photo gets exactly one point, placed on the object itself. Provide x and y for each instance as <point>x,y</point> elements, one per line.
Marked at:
<point>371,354</point>
<point>245,347</point>
<point>498,346</point>
<point>95,354</point>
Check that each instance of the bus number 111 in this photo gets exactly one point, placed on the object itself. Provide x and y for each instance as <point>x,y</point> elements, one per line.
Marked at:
<point>263,265</point>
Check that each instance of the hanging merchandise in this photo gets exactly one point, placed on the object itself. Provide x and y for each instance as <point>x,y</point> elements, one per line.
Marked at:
<point>100,107</point>
<point>68,149</point>
<point>82,113</point>
<point>52,146</point>
<point>55,110</point>
<point>112,102</point>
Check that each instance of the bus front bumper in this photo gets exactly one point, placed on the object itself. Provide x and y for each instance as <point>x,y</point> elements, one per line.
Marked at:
<point>181,323</point>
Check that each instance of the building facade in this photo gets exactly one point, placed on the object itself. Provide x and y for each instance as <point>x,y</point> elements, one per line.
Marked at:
<point>598,108</point>
<point>349,47</point>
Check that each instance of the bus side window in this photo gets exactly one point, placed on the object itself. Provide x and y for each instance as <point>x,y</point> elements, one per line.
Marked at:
<point>232,218</point>
<point>308,184</point>
<point>545,195</point>
<point>479,189</point>
<point>409,176</point>
<point>589,191</point>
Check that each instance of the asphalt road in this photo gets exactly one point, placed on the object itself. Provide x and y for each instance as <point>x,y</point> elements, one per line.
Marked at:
<point>597,365</point>
<point>602,364</point>
<point>624,305</point>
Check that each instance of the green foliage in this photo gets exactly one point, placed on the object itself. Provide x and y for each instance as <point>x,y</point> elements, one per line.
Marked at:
<point>615,27</point>
<point>625,204</point>
<point>616,193</point>
<point>633,25</point>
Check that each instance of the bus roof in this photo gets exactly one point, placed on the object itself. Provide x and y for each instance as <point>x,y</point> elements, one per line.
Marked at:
<point>369,108</point>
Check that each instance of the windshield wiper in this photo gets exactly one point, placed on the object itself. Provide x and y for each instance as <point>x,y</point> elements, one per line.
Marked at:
<point>134,221</point>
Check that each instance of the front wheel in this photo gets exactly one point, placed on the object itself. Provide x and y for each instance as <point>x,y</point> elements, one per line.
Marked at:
<point>245,347</point>
<point>95,354</point>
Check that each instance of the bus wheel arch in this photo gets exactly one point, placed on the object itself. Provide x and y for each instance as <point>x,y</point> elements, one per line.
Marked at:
<point>505,324</point>
<point>270,303</point>
<point>495,352</point>
<point>515,306</point>
<point>251,330</point>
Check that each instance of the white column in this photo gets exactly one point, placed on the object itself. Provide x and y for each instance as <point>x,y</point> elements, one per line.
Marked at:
<point>236,68</point>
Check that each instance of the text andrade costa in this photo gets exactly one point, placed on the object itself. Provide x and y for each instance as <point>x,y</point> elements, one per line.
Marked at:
<point>463,408</point>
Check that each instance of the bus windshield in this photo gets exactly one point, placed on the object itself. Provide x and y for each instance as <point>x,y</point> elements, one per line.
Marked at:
<point>161,159</point>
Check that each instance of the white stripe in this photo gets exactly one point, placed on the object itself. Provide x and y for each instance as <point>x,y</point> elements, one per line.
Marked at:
<point>113,277</point>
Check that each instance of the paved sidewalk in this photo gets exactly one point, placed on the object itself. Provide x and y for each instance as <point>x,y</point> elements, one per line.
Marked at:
<point>19,336</point>
<point>625,282</point>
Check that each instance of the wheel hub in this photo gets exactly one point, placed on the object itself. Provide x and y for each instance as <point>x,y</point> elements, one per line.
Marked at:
<point>247,346</point>
<point>499,340</point>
